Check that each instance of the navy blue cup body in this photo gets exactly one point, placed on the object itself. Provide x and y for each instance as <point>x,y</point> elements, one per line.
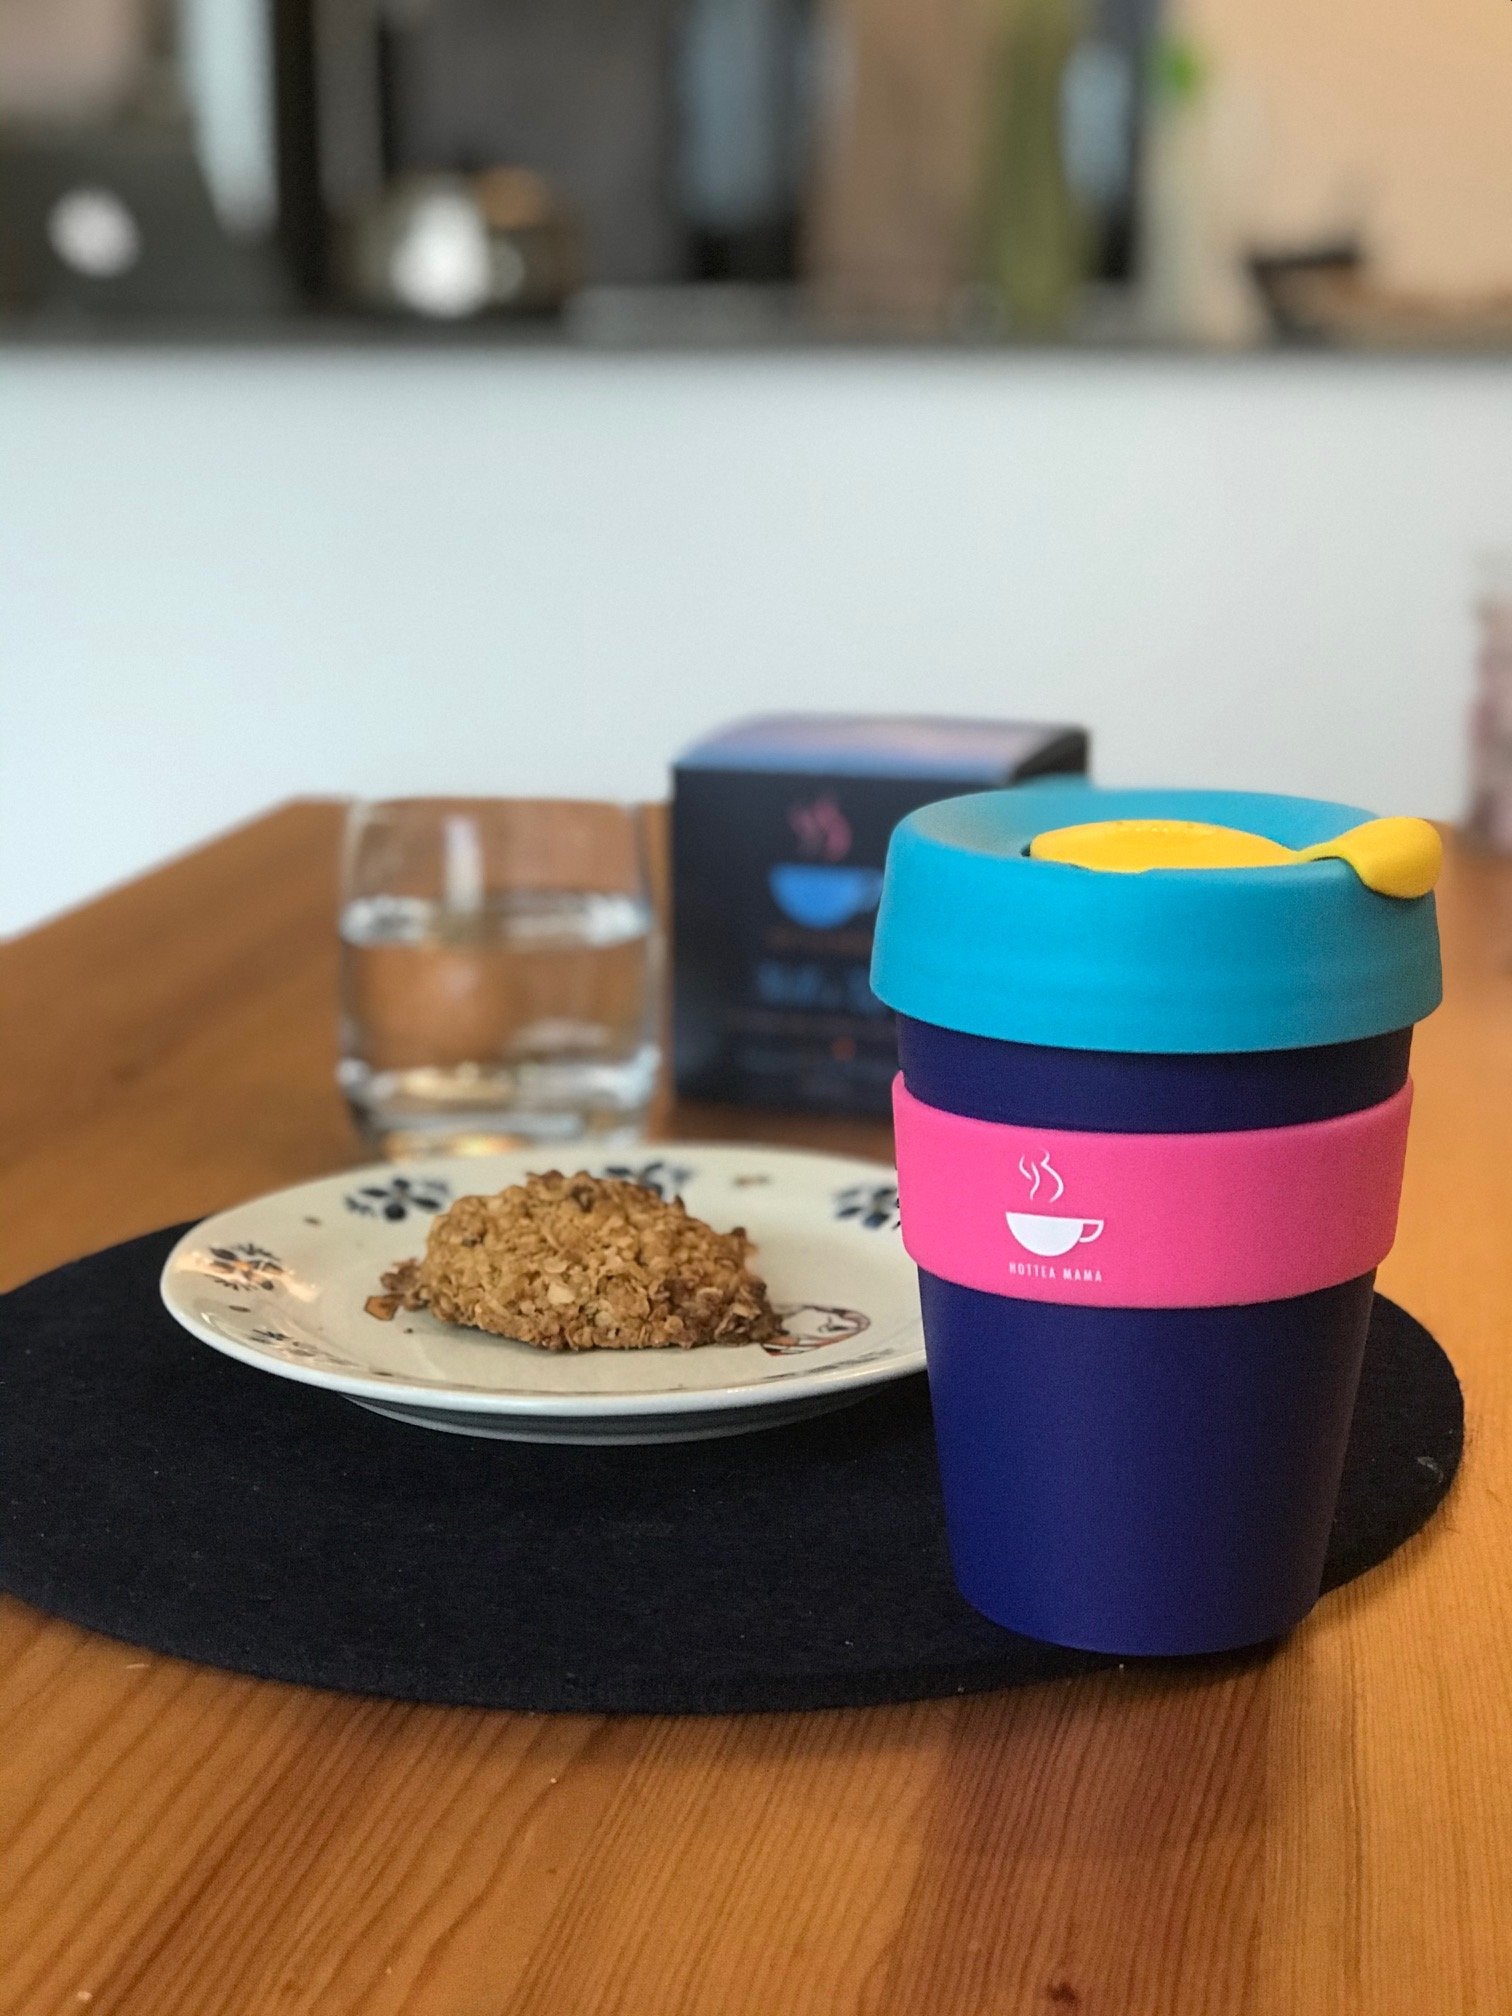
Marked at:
<point>1143,1481</point>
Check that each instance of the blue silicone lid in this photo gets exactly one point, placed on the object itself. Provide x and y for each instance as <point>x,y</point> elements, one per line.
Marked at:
<point>974,935</point>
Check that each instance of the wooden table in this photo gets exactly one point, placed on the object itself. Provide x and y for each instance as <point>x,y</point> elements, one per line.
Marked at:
<point>1328,1831</point>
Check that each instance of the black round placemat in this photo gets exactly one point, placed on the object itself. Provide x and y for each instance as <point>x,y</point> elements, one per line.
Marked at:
<point>152,1489</point>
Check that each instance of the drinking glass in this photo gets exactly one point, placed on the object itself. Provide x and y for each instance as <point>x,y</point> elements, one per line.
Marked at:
<point>500,970</point>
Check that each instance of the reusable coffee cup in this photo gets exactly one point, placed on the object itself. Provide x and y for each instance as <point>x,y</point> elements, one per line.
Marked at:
<point>1151,1122</point>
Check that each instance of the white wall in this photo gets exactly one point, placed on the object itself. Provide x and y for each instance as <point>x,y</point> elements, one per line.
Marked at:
<point>1352,116</point>
<point>229,577</point>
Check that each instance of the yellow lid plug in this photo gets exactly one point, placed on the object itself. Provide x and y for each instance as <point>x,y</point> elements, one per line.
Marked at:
<point>1394,857</point>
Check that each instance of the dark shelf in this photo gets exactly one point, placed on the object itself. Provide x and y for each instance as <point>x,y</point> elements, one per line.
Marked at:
<point>691,320</point>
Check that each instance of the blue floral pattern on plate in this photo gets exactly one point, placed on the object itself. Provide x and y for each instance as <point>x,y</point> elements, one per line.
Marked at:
<point>665,1178</point>
<point>874,1205</point>
<point>246,1265</point>
<point>397,1198</point>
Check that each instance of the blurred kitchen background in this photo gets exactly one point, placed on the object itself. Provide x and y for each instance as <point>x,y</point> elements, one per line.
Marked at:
<point>491,395</point>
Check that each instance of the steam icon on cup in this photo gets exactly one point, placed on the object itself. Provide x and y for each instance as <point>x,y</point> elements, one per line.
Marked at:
<point>1047,1233</point>
<point>1050,1237</point>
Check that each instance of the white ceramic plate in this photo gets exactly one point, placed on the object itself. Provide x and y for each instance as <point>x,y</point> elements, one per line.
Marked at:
<point>280,1284</point>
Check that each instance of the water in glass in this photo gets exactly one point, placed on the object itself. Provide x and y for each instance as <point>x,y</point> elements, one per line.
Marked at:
<point>524,1015</point>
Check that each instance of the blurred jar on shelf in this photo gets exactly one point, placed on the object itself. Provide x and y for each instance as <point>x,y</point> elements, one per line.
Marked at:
<point>148,163</point>
<point>450,246</point>
<point>1038,231</point>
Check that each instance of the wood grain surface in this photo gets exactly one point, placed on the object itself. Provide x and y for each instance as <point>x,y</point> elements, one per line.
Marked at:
<point>1327,1830</point>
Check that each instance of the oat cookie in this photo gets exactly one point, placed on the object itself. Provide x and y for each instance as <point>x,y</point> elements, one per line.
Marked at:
<point>579,1263</point>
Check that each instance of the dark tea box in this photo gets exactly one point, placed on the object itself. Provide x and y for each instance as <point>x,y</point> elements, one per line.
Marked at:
<point>779,832</point>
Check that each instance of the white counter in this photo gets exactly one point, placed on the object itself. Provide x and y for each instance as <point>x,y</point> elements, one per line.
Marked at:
<point>227,577</point>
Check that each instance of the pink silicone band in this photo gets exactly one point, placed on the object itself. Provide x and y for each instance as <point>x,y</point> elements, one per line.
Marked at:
<point>1149,1221</point>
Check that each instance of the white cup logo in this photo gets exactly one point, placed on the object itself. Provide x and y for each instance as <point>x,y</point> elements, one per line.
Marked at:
<point>1049,1234</point>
